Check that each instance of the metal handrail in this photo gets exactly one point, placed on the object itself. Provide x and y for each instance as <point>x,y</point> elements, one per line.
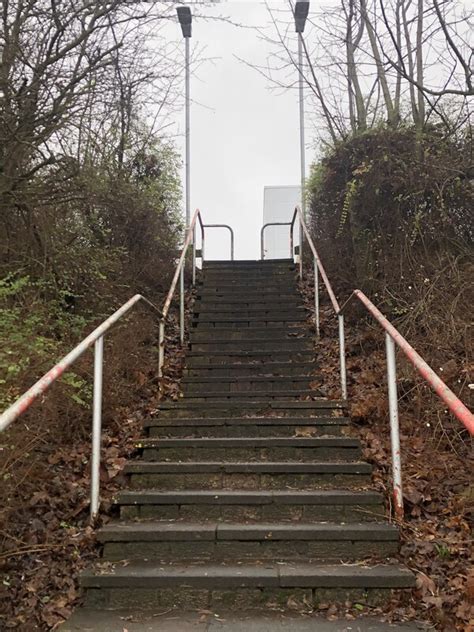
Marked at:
<point>262,236</point>
<point>454,404</point>
<point>324,276</point>
<point>231,236</point>
<point>392,337</point>
<point>319,269</point>
<point>179,274</point>
<point>40,387</point>
<point>96,338</point>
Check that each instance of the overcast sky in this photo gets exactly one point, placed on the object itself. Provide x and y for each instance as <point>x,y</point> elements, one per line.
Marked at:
<point>244,135</point>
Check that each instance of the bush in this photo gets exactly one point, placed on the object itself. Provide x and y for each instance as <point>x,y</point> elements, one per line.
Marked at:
<point>388,198</point>
<point>391,212</point>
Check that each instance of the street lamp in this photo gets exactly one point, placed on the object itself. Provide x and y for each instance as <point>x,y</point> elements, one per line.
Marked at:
<point>185,19</point>
<point>301,13</point>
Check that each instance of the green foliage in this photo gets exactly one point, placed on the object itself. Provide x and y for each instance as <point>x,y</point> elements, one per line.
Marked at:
<point>386,195</point>
<point>443,551</point>
<point>102,232</point>
<point>31,335</point>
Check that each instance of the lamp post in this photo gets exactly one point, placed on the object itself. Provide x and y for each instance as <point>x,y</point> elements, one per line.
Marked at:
<point>185,19</point>
<point>301,13</point>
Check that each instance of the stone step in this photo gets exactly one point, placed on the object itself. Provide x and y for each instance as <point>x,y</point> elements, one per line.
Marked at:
<point>256,369</point>
<point>231,334</point>
<point>250,449</point>
<point>242,278</point>
<point>240,505</point>
<point>237,319</point>
<point>243,379</point>
<point>296,394</point>
<point>210,346</point>
<point>237,290</point>
<point>282,268</point>
<point>249,295</point>
<point>228,427</point>
<point>237,384</point>
<point>262,324</point>
<point>240,408</point>
<point>148,585</point>
<point>242,303</point>
<point>248,475</point>
<point>259,267</point>
<point>253,277</point>
<point>217,541</point>
<point>203,308</point>
<point>237,357</point>
<point>247,264</point>
<point>265,286</point>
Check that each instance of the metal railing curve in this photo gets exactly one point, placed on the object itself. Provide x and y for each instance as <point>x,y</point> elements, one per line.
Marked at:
<point>262,236</point>
<point>96,338</point>
<point>392,337</point>
<point>231,236</point>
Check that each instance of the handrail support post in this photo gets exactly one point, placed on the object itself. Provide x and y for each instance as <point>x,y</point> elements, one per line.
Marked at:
<point>342,355</point>
<point>316,298</point>
<point>96,427</point>
<point>194,255</point>
<point>301,251</point>
<point>394,427</point>
<point>181,305</point>
<point>161,348</point>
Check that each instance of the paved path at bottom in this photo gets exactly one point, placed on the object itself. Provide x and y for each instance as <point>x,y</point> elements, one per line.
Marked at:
<point>90,621</point>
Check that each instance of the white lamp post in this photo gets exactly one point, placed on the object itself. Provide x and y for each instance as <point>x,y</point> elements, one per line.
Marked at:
<point>301,13</point>
<point>185,19</point>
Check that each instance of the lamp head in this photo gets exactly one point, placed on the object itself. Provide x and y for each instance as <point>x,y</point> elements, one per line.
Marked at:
<point>301,13</point>
<point>185,19</point>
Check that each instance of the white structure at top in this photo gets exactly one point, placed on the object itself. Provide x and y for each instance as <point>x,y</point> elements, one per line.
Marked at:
<point>278,206</point>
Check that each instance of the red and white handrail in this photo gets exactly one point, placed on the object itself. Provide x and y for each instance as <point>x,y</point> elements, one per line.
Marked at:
<point>453,402</point>
<point>392,337</point>
<point>96,338</point>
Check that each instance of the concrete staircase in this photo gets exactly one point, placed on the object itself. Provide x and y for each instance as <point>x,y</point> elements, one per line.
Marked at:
<point>248,492</point>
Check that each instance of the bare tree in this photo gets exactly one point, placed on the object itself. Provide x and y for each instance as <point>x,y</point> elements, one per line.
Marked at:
<point>74,76</point>
<point>443,34</point>
<point>357,106</point>
<point>393,115</point>
<point>374,61</point>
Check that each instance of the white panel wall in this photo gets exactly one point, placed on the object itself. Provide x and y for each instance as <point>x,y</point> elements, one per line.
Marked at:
<point>278,206</point>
